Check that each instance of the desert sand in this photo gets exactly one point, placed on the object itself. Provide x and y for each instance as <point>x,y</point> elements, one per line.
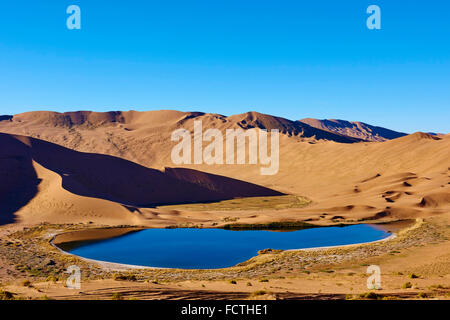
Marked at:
<point>111,169</point>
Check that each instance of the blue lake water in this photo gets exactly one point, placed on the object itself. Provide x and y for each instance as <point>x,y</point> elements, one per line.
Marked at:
<point>215,248</point>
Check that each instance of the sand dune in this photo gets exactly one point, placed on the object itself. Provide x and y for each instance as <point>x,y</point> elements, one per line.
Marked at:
<point>346,182</point>
<point>139,136</point>
<point>72,175</point>
<point>354,129</point>
<point>18,178</point>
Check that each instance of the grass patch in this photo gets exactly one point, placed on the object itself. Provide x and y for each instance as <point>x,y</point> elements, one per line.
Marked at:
<point>259,293</point>
<point>27,283</point>
<point>407,285</point>
<point>390,298</point>
<point>277,225</point>
<point>117,296</point>
<point>267,251</point>
<point>248,203</point>
<point>326,271</point>
<point>370,295</point>
<point>6,295</point>
<point>124,277</point>
<point>422,295</point>
<point>52,278</point>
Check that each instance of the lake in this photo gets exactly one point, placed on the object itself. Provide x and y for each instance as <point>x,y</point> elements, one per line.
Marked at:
<point>189,248</point>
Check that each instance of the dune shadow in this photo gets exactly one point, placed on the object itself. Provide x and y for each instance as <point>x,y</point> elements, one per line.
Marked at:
<point>115,179</point>
<point>18,179</point>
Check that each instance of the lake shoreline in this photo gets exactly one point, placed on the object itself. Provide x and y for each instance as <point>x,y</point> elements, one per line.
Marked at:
<point>88,235</point>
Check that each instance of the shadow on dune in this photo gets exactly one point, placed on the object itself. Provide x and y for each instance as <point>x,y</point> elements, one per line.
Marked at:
<point>6,118</point>
<point>115,179</point>
<point>18,179</point>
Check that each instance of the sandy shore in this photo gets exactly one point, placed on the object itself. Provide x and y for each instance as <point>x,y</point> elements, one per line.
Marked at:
<point>59,240</point>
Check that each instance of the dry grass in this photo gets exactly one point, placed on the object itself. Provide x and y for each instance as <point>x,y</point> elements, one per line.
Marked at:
<point>242,204</point>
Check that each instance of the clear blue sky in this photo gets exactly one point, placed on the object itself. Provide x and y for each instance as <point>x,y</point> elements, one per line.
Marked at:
<point>294,59</point>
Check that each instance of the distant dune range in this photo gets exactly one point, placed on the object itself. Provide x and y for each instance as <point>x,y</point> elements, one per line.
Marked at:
<point>354,129</point>
<point>111,168</point>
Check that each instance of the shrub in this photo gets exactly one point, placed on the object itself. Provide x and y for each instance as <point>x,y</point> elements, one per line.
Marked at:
<point>6,295</point>
<point>117,296</point>
<point>413,276</point>
<point>407,285</point>
<point>422,295</point>
<point>263,280</point>
<point>249,284</point>
<point>51,278</point>
<point>122,277</point>
<point>232,281</point>
<point>326,271</point>
<point>390,298</point>
<point>369,295</point>
<point>259,293</point>
<point>268,251</point>
<point>26,283</point>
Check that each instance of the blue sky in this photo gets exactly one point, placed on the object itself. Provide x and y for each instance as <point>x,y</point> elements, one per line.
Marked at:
<point>293,59</point>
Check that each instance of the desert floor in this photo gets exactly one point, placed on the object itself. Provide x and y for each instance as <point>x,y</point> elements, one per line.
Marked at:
<point>419,255</point>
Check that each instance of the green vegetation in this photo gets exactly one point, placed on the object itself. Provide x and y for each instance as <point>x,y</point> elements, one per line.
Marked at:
<point>6,295</point>
<point>407,285</point>
<point>51,278</point>
<point>27,283</point>
<point>124,277</point>
<point>278,225</point>
<point>267,251</point>
<point>370,295</point>
<point>117,296</point>
<point>390,298</point>
<point>326,271</point>
<point>259,293</point>
<point>249,203</point>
